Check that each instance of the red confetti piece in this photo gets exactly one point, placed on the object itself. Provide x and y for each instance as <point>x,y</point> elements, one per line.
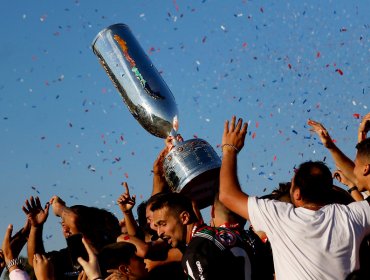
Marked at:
<point>176,6</point>
<point>318,54</point>
<point>257,124</point>
<point>126,175</point>
<point>244,45</point>
<point>275,157</point>
<point>339,71</point>
<point>356,116</point>
<point>289,66</point>
<point>253,135</point>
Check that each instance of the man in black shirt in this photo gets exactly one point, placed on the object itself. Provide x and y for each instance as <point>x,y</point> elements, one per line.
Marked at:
<point>207,251</point>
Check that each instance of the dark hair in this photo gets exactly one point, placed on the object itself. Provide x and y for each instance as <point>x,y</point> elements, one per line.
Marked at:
<point>314,180</point>
<point>281,193</point>
<point>116,254</point>
<point>141,214</point>
<point>98,225</point>
<point>363,148</point>
<point>176,203</point>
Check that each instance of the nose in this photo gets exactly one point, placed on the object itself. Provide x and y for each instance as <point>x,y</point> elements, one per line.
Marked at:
<point>160,232</point>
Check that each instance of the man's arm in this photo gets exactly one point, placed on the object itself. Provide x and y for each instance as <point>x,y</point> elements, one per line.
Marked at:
<point>363,128</point>
<point>37,217</point>
<point>126,202</point>
<point>342,162</point>
<point>231,194</point>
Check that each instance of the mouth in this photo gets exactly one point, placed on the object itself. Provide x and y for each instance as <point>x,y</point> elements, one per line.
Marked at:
<point>167,239</point>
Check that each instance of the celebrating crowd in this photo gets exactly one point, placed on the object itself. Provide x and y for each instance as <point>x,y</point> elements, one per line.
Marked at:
<point>308,228</point>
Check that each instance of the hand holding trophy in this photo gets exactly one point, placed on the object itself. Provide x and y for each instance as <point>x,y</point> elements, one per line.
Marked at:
<point>192,166</point>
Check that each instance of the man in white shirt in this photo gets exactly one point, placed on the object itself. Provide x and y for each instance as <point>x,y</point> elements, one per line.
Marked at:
<point>310,238</point>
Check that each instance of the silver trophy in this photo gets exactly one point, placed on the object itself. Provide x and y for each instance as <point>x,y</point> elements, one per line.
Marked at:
<point>192,166</point>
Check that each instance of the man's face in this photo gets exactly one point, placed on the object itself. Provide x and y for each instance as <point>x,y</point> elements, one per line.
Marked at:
<point>358,171</point>
<point>170,227</point>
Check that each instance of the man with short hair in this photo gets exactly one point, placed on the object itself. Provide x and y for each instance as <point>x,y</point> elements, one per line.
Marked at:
<point>206,251</point>
<point>362,165</point>
<point>310,238</point>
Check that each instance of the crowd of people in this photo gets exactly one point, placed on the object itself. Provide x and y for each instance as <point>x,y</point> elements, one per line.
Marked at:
<point>308,228</point>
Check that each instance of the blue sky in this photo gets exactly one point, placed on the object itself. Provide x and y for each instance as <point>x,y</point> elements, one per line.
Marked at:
<point>65,130</point>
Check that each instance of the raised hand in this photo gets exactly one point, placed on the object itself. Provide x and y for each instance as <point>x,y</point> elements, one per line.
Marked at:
<point>91,266</point>
<point>234,135</point>
<point>58,205</point>
<point>321,131</point>
<point>125,201</point>
<point>340,177</point>
<point>11,248</point>
<point>34,211</point>
<point>364,128</point>
<point>44,269</point>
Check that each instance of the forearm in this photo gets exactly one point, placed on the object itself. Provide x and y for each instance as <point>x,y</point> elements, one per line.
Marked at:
<point>231,194</point>
<point>342,162</point>
<point>130,222</point>
<point>159,184</point>
<point>35,243</point>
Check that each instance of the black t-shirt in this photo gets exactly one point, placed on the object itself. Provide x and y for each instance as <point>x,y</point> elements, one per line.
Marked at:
<point>215,253</point>
<point>63,268</point>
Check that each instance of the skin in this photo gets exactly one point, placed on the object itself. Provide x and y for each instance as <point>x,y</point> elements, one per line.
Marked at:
<point>43,268</point>
<point>170,227</point>
<point>362,173</point>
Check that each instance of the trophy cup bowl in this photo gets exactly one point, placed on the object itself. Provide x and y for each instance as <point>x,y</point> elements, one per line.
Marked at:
<point>192,166</point>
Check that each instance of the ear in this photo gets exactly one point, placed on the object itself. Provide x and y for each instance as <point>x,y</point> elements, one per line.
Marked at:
<point>124,269</point>
<point>297,194</point>
<point>366,169</point>
<point>185,217</point>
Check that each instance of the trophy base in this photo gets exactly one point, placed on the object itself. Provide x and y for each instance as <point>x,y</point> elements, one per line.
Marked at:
<point>193,168</point>
<point>202,189</point>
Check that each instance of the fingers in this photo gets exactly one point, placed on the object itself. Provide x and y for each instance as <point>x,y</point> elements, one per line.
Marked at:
<point>239,125</point>
<point>89,250</point>
<point>33,202</point>
<point>37,202</point>
<point>125,185</point>
<point>226,127</point>
<point>8,234</point>
<point>232,124</point>
<point>245,128</point>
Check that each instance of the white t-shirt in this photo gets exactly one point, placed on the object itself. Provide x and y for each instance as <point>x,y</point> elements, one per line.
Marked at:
<point>307,244</point>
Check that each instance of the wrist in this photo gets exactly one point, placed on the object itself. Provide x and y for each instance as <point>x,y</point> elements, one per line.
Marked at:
<point>354,188</point>
<point>226,148</point>
<point>14,264</point>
